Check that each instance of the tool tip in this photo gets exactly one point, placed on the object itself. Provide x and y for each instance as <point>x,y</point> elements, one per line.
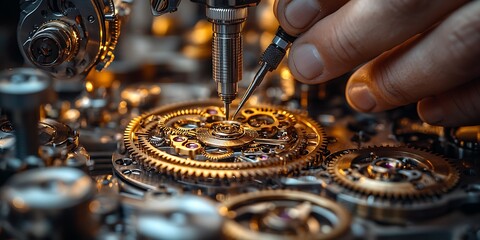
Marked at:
<point>236,112</point>
<point>227,110</point>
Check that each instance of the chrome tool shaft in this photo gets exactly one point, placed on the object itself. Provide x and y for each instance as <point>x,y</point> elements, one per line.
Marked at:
<point>269,61</point>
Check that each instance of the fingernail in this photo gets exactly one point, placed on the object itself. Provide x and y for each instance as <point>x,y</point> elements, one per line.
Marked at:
<point>430,112</point>
<point>361,97</point>
<point>299,13</point>
<point>307,61</point>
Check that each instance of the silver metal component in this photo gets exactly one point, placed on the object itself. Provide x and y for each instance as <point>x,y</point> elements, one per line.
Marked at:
<point>280,42</point>
<point>49,203</point>
<point>257,80</point>
<point>23,88</point>
<point>227,51</point>
<point>269,61</point>
<point>58,144</point>
<point>179,217</point>
<point>7,137</point>
<point>22,92</point>
<point>226,106</point>
<point>227,14</point>
<point>69,38</point>
<point>52,44</point>
<point>160,7</point>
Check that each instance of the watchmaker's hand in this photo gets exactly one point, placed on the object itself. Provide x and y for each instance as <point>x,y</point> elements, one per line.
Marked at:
<point>414,51</point>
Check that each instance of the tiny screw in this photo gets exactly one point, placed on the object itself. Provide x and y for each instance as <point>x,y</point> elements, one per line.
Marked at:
<point>91,19</point>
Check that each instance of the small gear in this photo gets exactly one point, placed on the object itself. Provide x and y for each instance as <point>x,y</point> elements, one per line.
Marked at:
<point>393,172</point>
<point>266,120</point>
<point>226,134</point>
<point>281,154</point>
<point>187,125</point>
<point>217,154</point>
<point>172,127</point>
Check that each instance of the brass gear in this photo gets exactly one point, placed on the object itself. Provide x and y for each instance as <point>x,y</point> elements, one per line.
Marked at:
<point>265,119</point>
<point>216,156</point>
<point>226,134</point>
<point>393,172</point>
<point>284,214</point>
<point>173,128</point>
<point>311,141</point>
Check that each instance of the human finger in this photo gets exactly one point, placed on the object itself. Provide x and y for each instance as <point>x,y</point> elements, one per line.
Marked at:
<point>297,16</point>
<point>358,32</point>
<point>459,107</point>
<point>443,59</point>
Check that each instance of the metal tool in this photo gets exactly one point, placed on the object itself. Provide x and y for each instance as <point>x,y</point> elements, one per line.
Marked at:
<point>269,61</point>
<point>67,39</point>
<point>227,18</point>
<point>227,51</point>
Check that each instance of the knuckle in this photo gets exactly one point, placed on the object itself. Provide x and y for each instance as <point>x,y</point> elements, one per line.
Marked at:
<point>463,109</point>
<point>391,88</point>
<point>406,6</point>
<point>467,105</point>
<point>463,41</point>
<point>345,46</point>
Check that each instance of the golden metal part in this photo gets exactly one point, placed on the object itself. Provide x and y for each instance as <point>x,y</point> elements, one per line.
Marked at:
<point>226,134</point>
<point>187,124</point>
<point>284,214</point>
<point>218,154</point>
<point>169,128</point>
<point>303,148</point>
<point>266,118</point>
<point>113,25</point>
<point>393,172</point>
<point>185,147</point>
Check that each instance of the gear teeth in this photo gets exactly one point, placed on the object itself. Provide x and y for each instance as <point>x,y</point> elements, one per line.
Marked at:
<point>427,156</point>
<point>173,131</point>
<point>140,148</point>
<point>216,157</point>
<point>238,207</point>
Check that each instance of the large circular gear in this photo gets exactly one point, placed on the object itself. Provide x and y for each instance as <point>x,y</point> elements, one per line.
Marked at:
<point>171,141</point>
<point>284,214</point>
<point>393,172</point>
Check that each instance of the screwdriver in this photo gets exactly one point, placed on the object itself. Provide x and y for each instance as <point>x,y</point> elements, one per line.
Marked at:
<point>269,61</point>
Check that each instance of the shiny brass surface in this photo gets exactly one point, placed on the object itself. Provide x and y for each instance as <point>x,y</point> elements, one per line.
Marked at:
<point>393,172</point>
<point>282,146</point>
<point>284,214</point>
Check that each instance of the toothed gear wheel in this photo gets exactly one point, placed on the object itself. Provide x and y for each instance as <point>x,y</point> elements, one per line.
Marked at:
<point>284,214</point>
<point>167,140</point>
<point>227,134</point>
<point>216,154</point>
<point>182,125</point>
<point>393,172</point>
